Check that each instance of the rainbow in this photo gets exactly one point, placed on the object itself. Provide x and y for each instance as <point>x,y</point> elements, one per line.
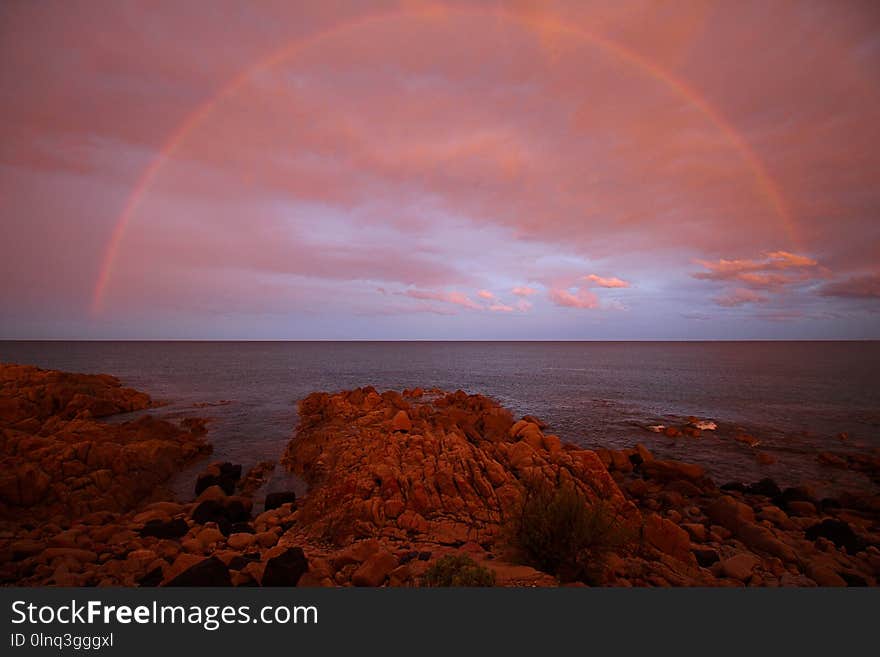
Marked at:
<point>540,24</point>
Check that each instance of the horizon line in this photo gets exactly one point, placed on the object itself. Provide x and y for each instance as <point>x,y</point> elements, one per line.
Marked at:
<point>417,340</point>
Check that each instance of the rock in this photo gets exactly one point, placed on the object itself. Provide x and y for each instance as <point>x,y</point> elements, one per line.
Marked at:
<point>224,475</point>
<point>644,453</point>
<point>225,513</point>
<point>838,532</point>
<point>766,487</point>
<point>213,493</point>
<point>740,566</point>
<point>729,513</point>
<point>85,556</point>
<point>375,569</point>
<point>620,461</point>
<point>61,461</point>
<point>777,516</point>
<point>794,494</point>
<point>762,539</point>
<point>209,511</point>
<point>240,541</point>
<point>275,500</point>
<point>401,422</point>
<point>671,470</point>
<point>25,548</point>
<point>667,537</point>
<point>356,553</point>
<point>802,508</point>
<point>171,529</point>
<point>207,572</point>
<point>152,578</point>
<point>823,573</point>
<point>286,568</point>
<point>706,556</point>
<point>208,536</point>
<point>697,531</point>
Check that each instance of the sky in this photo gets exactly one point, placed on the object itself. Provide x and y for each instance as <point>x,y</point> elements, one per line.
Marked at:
<point>440,170</point>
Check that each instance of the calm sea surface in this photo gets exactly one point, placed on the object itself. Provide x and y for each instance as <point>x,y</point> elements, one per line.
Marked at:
<point>795,396</point>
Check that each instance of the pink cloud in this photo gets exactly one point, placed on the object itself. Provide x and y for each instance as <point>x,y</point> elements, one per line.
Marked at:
<point>456,298</point>
<point>776,269</point>
<point>583,298</point>
<point>866,286</point>
<point>523,306</point>
<point>600,281</point>
<point>501,308</point>
<point>740,297</point>
<point>485,294</point>
<point>524,291</point>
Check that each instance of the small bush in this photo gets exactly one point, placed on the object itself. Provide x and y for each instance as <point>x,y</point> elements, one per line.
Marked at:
<point>561,533</point>
<point>458,570</point>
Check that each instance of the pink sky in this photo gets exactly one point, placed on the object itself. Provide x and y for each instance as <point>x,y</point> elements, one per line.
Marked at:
<point>426,170</point>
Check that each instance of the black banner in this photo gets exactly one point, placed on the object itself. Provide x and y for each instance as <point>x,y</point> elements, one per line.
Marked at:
<point>415,621</point>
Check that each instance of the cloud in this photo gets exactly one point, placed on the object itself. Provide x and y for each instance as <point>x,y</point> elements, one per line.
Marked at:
<point>455,298</point>
<point>583,298</point>
<point>485,294</point>
<point>501,308</point>
<point>865,286</point>
<point>776,269</point>
<point>740,297</point>
<point>606,282</point>
<point>366,162</point>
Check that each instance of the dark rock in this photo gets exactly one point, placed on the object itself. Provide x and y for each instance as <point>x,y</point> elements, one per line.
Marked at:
<point>229,470</point>
<point>236,511</point>
<point>274,500</point>
<point>838,532</point>
<point>794,494</point>
<point>766,487</point>
<point>228,475</point>
<point>408,556</point>
<point>171,529</point>
<point>853,579</point>
<point>706,556</point>
<point>285,569</point>
<point>208,572</point>
<point>424,556</point>
<point>241,528</point>
<point>152,578</point>
<point>226,514</point>
<point>684,487</point>
<point>238,562</point>
<point>737,486</point>
<point>209,511</point>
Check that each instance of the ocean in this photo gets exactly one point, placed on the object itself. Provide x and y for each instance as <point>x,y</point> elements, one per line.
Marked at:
<point>795,397</point>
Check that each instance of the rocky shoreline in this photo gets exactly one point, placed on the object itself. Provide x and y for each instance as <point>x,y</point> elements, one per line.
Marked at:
<point>405,489</point>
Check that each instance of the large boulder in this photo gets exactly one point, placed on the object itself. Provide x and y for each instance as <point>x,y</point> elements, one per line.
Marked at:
<point>208,572</point>
<point>286,568</point>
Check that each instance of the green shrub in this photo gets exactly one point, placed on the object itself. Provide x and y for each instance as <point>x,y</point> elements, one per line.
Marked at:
<point>560,532</point>
<point>458,570</point>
